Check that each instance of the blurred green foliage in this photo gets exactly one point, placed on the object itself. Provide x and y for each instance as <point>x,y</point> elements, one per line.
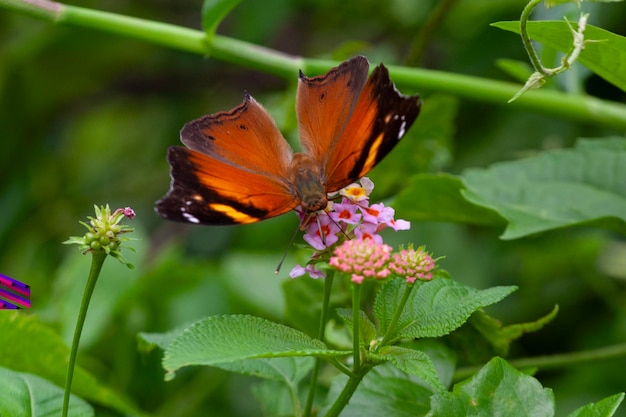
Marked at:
<point>86,118</point>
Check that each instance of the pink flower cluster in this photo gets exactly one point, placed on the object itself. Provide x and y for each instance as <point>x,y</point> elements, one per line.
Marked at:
<point>362,258</point>
<point>412,264</point>
<point>354,220</point>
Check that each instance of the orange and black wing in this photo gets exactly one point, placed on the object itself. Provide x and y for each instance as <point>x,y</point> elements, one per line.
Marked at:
<point>378,118</point>
<point>233,171</point>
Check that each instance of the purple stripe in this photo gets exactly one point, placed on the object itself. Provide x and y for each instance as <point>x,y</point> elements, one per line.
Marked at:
<point>17,299</point>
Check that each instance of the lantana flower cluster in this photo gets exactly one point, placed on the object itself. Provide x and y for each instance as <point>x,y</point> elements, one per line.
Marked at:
<point>353,226</point>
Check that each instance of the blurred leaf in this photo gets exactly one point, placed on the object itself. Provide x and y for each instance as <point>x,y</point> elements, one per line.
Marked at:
<point>413,362</point>
<point>500,337</point>
<point>434,308</point>
<point>214,11</point>
<point>385,391</point>
<point>497,389</point>
<point>607,58</point>
<point>27,395</point>
<point>148,341</point>
<point>556,189</point>
<point>31,347</point>
<point>225,339</point>
<point>603,408</point>
<point>518,70</point>
<point>437,197</point>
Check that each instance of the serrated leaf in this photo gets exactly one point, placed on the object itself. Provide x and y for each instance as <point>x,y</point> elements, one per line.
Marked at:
<point>148,341</point>
<point>32,347</point>
<point>413,362</point>
<point>556,189</point>
<point>437,197</point>
<point>500,337</point>
<point>367,329</point>
<point>219,340</point>
<point>213,12</point>
<point>603,408</point>
<point>385,391</point>
<point>606,58</point>
<point>27,395</point>
<point>433,309</point>
<point>497,390</point>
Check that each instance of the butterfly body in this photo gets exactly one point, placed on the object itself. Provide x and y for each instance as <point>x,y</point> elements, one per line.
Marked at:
<point>237,168</point>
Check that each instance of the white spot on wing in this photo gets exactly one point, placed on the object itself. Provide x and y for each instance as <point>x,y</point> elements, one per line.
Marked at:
<point>402,130</point>
<point>191,218</point>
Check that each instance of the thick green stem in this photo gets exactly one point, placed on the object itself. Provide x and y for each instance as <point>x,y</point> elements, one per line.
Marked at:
<point>356,320</point>
<point>328,285</point>
<point>97,261</point>
<point>556,361</point>
<point>574,107</point>
<point>345,395</point>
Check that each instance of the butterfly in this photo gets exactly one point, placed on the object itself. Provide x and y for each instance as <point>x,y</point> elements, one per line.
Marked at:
<point>237,168</point>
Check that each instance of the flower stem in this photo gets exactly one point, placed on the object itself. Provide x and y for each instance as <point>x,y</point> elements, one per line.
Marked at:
<point>356,320</point>
<point>345,395</point>
<point>573,107</point>
<point>97,261</point>
<point>328,285</point>
<point>396,316</point>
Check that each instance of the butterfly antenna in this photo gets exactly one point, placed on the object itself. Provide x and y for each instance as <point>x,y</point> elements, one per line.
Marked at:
<point>282,259</point>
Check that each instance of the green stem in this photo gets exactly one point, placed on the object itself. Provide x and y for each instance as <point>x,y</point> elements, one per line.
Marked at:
<point>356,320</point>
<point>345,395</point>
<point>97,261</point>
<point>396,316</point>
<point>556,361</point>
<point>328,285</point>
<point>528,44</point>
<point>569,106</point>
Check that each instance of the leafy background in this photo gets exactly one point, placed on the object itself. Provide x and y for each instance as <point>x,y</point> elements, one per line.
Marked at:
<point>86,117</point>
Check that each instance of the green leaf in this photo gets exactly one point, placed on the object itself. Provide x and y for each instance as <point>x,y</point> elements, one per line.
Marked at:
<point>518,70</point>
<point>27,395</point>
<point>603,408</point>
<point>367,329</point>
<point>556,189</point>
<point>413,362</point>
<point>32,347</point>
<point>434,308</point>
<point>385,391</point>
<point>213,12</point>
<point>289,370</point>
<point>499,336</point>
<point>497,389</point>
<point>437,197</point>
<point>606,58</point>
<point>219,340</point>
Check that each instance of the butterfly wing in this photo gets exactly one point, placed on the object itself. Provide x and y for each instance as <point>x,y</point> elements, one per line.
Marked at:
<point>235,170</point>
<point>372,120</point>
<point>324,104</point>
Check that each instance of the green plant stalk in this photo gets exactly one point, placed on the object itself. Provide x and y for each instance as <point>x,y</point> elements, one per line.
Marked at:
<point>356,320</point>
<point>556,361</point>
<point>97,260</point>
<point>396,316</point>
<point>573,107</point>
<point>328,285</point>
<point>528,44</point>
<point>345,395</point>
